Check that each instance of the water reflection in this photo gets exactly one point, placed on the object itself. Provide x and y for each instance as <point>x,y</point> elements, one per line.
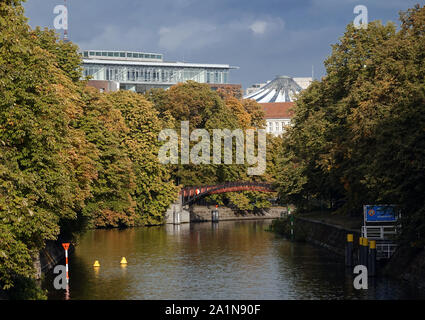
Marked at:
<point>225,260</point>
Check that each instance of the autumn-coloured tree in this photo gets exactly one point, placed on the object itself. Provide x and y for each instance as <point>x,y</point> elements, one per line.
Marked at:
<point>208,109</point>
<point>155,189</point>
<point>41,152</point>
<point>111,204</point>
<point>357,134</point>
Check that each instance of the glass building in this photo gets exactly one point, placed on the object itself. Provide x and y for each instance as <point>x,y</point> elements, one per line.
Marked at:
<point>140,71</point>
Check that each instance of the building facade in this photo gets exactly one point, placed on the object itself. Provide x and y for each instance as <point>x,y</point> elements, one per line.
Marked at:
<point>139,71</point>
<point>278,116</point>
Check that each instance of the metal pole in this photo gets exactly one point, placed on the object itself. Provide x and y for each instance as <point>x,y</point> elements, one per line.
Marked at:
<point>292,226</point>
<point>372,258</point>
<point>65,31</point>
<point>366,251</point>
<point>66,265</point>
<point>66,247</point>
<point>349,251</point>
<point>361,252</point>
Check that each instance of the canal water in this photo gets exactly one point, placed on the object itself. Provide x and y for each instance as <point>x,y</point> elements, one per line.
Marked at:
<point>226,260</point>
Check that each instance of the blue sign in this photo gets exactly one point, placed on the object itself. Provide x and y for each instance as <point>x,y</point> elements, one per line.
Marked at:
<point>380,213</point>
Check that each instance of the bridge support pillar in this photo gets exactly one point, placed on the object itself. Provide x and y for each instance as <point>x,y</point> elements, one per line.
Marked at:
<point>215,217</point>
<point>177,213</point>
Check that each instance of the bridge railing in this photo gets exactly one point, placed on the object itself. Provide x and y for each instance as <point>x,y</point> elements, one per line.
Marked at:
<point>195,192</point>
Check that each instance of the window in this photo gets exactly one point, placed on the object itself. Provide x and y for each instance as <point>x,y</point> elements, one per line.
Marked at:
<point>98,54</point>
<point>122,54</point>
<point>104,54</point>
<point>116,54</point>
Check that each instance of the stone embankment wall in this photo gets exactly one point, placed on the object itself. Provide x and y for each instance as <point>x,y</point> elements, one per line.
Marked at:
<point>203,213</point>
<point>326,235</point>
<point>406,264</point>
<point>52,255</point>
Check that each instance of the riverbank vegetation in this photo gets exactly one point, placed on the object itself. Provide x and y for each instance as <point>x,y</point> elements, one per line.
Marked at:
<point>71,157</point>
<point>358,134</point>
<point>207,109</point>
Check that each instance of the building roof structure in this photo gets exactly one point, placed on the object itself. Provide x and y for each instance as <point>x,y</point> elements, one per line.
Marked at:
<point>281,89</point>
<point>278,110</point>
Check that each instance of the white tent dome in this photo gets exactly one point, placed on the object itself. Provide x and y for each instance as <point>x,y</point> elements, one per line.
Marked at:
<point>281,89</point>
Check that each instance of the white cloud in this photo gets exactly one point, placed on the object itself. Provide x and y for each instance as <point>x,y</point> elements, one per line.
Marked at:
<point>258,27</point>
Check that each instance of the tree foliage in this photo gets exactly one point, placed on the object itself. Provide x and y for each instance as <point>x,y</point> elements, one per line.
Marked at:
<point>70,157</point>
<point>208,109</point>
<point>358,135</point>
<point>154,189</point>
<point>39,158</point>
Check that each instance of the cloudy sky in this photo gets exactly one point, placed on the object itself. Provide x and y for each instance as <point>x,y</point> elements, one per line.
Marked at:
<point>264,38</point>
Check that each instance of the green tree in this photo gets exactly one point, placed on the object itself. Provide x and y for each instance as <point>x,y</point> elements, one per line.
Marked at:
<point>358,133</point>
<point>39,159</point>
<point>112,204</point>
<point>155,189</point>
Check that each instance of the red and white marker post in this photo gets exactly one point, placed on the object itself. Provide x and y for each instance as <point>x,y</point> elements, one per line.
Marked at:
<point>66,247</point>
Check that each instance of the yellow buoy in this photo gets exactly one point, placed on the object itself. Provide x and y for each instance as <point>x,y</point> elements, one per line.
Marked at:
<point>123,260</point>
<point>96,264</point>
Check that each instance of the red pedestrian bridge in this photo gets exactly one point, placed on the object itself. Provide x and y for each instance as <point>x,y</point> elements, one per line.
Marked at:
<point>192,194</point>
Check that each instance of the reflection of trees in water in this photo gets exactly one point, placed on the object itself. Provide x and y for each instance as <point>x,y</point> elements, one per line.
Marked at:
<point>89,283</point>
<point>310,272</point>
<point>245,241</point>
<point>231,259</point>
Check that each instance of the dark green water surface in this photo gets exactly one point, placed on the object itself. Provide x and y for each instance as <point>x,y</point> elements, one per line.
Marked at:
<point>227,260</point>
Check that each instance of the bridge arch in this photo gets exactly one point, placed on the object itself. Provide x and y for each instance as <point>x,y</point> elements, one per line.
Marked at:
<point>192,194</point>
